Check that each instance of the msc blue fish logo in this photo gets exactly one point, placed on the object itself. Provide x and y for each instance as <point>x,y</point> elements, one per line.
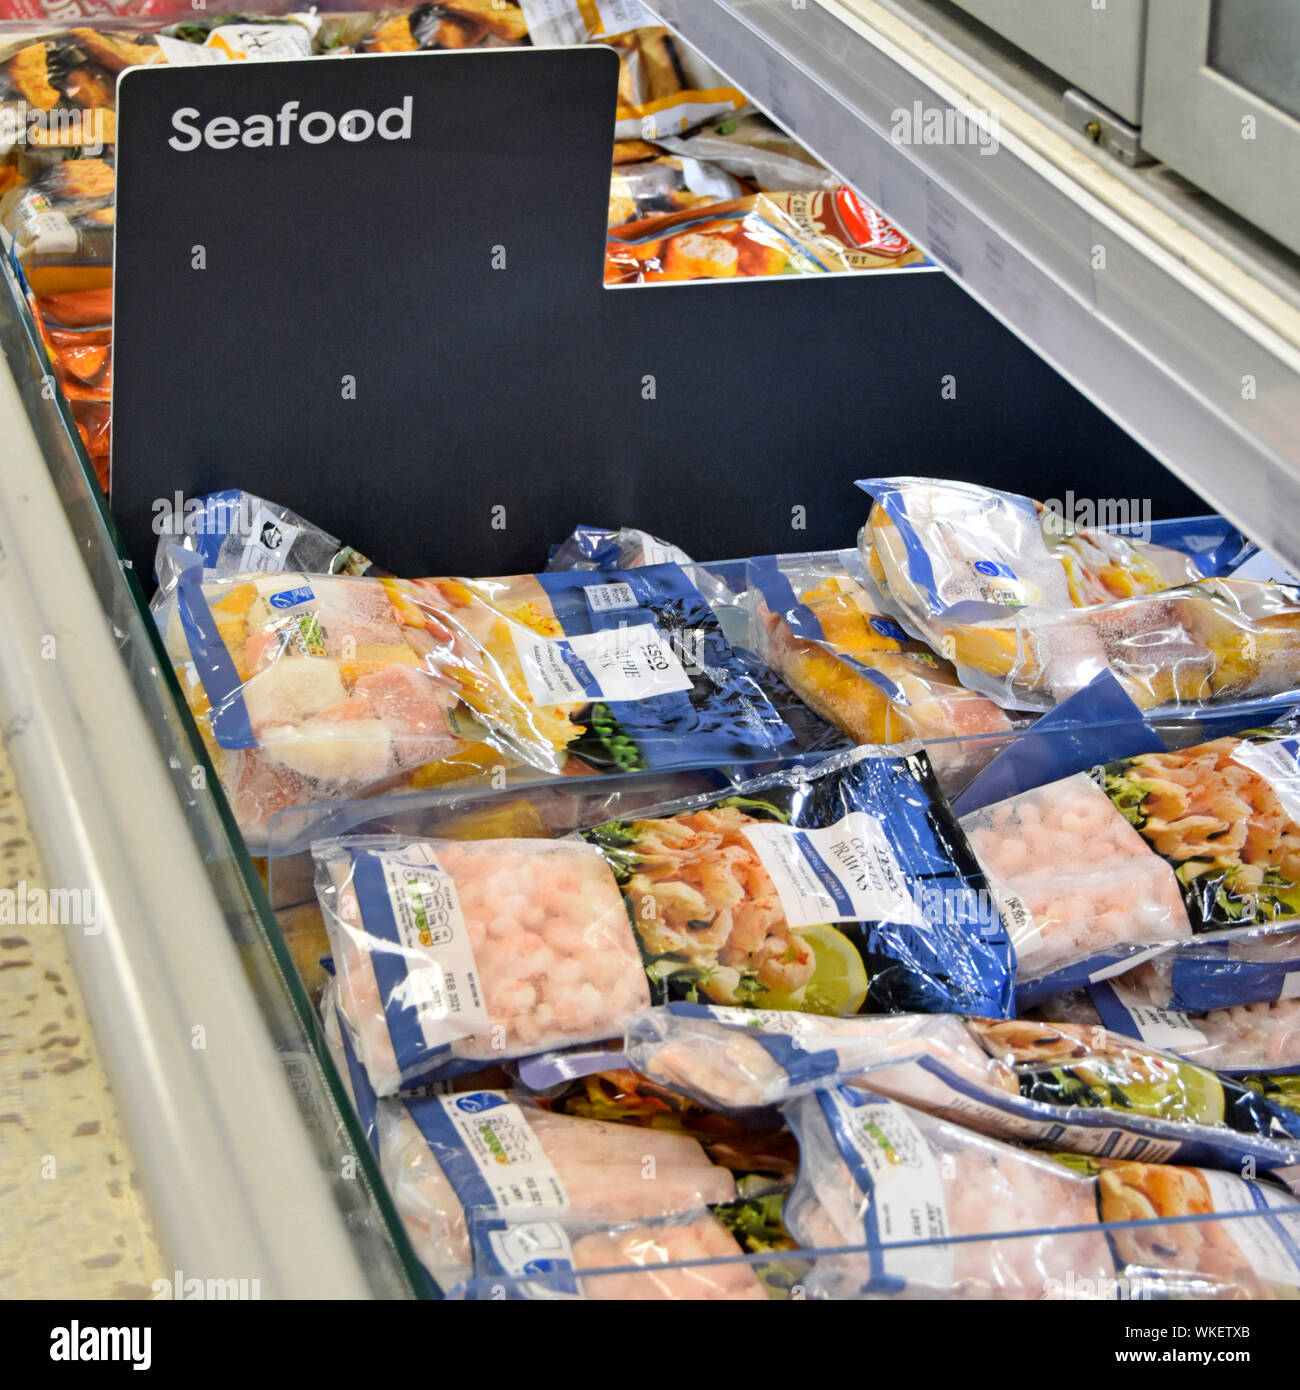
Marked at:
<point>288,598</point>
<point>477,1101</point>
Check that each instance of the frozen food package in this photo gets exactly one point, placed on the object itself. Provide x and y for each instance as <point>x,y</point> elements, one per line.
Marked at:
<point>748,1144</point>
<point>60,88</point>
<point>836,889</point>
<point>628,548</point>
<point>1209,974</point>
<point>817,620</point>
<point>1144,856</point>
<point>1257,1257</point>
<point>750,1060</point>
<point>61,226</point>
<point>313,688</point>
<point>1030,608</point>
<point>665,87</point>
<point>59,93</point>
<point>625,548</point>
<point>1095,725</point>
<point>778,233</point>
<point>749,146</point>
<point>938,546</point>
<point>76,330</point>
<point>492,1154</point>
<point>757,1221</point>
<point>240,37</point>
<point>1278,1087</point>
<point>351,1072</point>
<point>833,891</point>
<point>815,738</point>
<point>690,1256</point>
<point>454,955</point>
<point>454,24</point>
<point>1053,1085</point>
<point>1237,1041</point>
<point>877,1173</point>
<point>666,183</point>
<point>236,532</point>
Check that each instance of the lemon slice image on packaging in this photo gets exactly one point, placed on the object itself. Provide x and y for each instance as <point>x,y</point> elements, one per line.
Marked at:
<point>839,982</point>
<point>837,889</point>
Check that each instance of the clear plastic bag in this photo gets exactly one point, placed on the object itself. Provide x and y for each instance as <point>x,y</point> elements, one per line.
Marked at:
<point>76,331</point>
<point>319,688</point>
<point>1058,1228</point>
<point>816,620</point>
<point>780,233</point>
<point>1244,1039</point>
<point>1030,609</point>
<point>351,1072</point>
<point>1218,1259</point>
<point>1053,1085</point>
<point>454,955</point>
<point>324,688</point>
<point>732,1059</point>
<point>61,225</point>
<point>756,1145</point>
<point>750,146</point>
<point>690,1256</point>
<point>1147,854</point>
<point>626,548</point>
<point>486,1151</point>
<point>876,1171</point>
<point>836,889</point>
<point>449,24</point>
<point>664,184</point>
<point>1207,974</point>
<point>74,71</point>
<point>236,532</point>
<point>665,86</point>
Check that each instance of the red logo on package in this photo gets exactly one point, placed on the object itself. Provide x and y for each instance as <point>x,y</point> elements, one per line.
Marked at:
<point>869,230</point>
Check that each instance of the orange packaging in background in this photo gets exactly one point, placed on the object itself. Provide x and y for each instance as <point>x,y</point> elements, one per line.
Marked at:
<point>803,233</point>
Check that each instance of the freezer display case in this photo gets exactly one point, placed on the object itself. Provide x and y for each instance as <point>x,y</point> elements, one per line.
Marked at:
<point>848,1080</point>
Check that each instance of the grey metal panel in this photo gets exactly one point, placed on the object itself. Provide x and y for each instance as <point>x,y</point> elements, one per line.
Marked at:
<point>1098,49</point>
<point>1242,149</point>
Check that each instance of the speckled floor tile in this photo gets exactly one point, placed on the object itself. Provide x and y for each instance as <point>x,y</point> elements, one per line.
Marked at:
<point>73,1223</point>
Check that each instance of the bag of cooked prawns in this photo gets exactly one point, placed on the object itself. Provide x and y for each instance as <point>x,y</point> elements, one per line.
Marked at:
<point>1146,857</point>
<point>842,889</point>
